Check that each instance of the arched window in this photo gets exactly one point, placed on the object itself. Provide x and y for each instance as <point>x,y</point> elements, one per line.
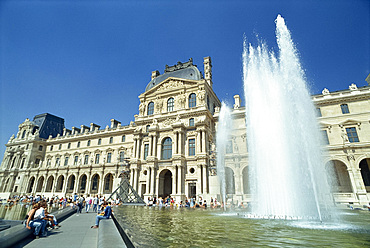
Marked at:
<point>167,148</point>
<point>192,100</point>
<point>191,122</point>
<point>345,109</point>
<point>108,183</point>
<point>24,134</point>
<point>150,108</point>
<point>88,143</point>
<point>95,183</point>
<point>83,183</point>
<point>170,104</point>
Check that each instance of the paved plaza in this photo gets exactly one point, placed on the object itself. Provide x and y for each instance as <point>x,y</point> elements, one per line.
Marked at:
<point>75,232</point>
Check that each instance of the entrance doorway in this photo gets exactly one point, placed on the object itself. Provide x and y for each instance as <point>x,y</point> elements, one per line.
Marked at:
<point>165,184</point>
<point>192,190</point>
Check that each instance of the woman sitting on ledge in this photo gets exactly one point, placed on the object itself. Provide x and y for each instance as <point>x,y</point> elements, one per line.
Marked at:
<point>105,214</point>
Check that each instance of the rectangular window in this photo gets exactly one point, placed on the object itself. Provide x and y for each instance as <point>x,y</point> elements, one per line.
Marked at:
<point>66,161</point>
<point>69,145</point>
<point>86,161</point>
<point>23,160</point>
<point>318,112</point>
<point>57,161</point>
<point>99,142</point>
<point>345,109</point>
<point>40,148</point>
<point>123,138</point>
<point>37,161</point>
<point>146,151</point>
<point>109,157</point>
<point>60,146</point>
<point>97,156</point>
<point>110,140</point>
<point>191,147</point>
<point>122,156</point>
<point>51,148</point>
<point>78,144</point>
<point>76,160</point>
<point>352,134</point>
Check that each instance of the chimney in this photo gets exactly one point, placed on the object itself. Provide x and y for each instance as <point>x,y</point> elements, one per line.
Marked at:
<point>94,127</point>
<point>237,101</point>
<point>114,123</point>
<point>155,74</point>
<point>208,70</point>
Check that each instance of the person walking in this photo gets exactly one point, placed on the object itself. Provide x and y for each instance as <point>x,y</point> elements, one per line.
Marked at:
<point>80,203</point>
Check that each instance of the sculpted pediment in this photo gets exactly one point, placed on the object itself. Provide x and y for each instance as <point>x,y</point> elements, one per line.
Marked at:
<point>348,122</point>
<point>170,84</point>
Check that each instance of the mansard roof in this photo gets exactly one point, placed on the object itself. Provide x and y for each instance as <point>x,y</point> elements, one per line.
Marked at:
<point>181,70</point>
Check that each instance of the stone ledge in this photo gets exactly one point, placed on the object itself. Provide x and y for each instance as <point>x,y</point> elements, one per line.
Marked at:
<point>108,235</point>
<point>15,234</point>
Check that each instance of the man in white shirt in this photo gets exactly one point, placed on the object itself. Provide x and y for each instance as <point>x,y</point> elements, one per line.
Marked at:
<point>40,217</point>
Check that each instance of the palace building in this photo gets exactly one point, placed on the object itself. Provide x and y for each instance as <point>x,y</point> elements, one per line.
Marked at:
<point>169,149</point>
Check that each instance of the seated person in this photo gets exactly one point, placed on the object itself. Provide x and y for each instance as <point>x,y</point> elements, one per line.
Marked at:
<point>38,224</point>
<point>52,221</point>
<point>103,215</point>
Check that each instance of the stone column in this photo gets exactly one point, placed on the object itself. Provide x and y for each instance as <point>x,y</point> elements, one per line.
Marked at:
<point>200,179</point>
<point>65,185</point>
<point>179,180</point>
<point>197,140</point>
<point>135,147</point>
<point>205,183</point>
<point>101,184</point>
<point>88,183</point>
<point>152,181</point>
<point>54,186</point>
<point>151,145</point>
<point>136,179</point>
<point>204,141</point>
<point>75,186</point>
<point>174,179</point>
<point>148,177</point>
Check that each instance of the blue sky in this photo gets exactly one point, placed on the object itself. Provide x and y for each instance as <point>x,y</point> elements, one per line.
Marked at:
<point>87,61</point>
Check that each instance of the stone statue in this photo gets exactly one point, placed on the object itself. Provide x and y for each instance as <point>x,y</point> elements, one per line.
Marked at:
<point>141,108</point>
<point>325,91</point>
<point>159,105</point>
<point>345,137</point>
<point>201,97</point>
<point>181,99</point>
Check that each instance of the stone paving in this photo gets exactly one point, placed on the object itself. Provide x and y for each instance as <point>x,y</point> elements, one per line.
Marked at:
<point>75,232</point>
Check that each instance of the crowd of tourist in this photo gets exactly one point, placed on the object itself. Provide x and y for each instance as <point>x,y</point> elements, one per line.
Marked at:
<point>198,202</point>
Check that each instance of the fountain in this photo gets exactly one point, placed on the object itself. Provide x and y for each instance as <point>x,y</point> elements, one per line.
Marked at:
<point>222,139</point>
<point>287,174</point>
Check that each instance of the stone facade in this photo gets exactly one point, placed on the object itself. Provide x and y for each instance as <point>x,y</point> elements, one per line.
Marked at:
<point>169,149</point>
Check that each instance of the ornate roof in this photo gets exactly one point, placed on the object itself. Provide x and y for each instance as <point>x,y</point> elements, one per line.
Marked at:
<point>185,70</point>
